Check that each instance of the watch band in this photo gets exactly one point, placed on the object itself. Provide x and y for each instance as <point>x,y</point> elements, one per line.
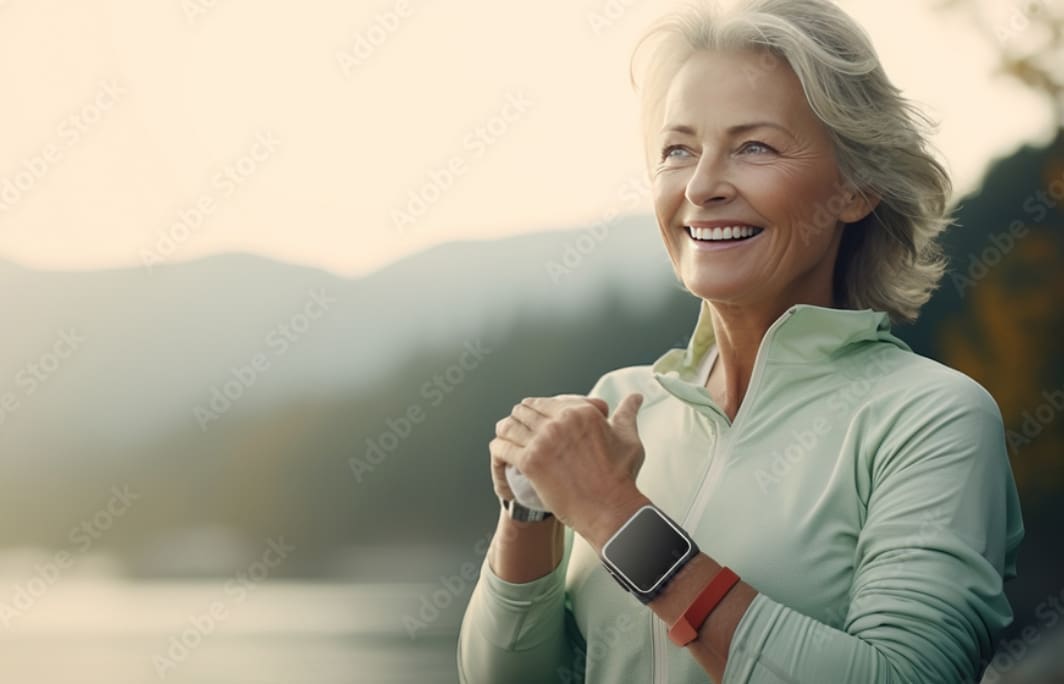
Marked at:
<point>524,513</point>
<point>685,629</point>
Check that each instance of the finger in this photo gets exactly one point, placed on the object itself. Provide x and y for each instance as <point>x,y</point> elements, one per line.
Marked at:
<point>504,451</point>
<point>624,418</point>
<point>498,479</point>
<point>551,407</point>
<point>529,417</point>
<point>513,430</point>
<point>546,406</point>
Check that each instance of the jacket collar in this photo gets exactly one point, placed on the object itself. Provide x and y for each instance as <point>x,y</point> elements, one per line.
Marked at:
<point>804,333</point>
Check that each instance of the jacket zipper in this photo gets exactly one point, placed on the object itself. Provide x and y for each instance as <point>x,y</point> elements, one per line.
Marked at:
<point>660,663</point>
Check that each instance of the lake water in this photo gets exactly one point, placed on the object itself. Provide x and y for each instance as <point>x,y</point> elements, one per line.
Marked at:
<point>209,632</point>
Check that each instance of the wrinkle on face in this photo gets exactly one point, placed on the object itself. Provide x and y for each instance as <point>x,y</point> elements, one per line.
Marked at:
<point>780,190</point>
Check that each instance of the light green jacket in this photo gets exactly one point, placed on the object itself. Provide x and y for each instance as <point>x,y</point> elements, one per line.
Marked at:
<point>863,490</point>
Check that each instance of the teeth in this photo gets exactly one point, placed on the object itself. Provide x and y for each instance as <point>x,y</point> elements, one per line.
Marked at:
<point>728,233</point>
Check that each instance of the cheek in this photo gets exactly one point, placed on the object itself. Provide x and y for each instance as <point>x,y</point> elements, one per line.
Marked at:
<point>801,201</point>
<point>667,198</point>
<point>667,191</point>
<point>666,206</point>
<point>795,201</point>
<point>779,190</point>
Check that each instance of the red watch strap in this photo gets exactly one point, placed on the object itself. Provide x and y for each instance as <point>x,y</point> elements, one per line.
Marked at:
<point>685,629</point>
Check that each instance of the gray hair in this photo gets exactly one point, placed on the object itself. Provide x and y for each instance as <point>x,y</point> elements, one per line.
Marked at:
<point>891,260</point>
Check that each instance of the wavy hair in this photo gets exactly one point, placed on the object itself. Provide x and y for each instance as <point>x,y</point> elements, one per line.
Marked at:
<point>891,260</point>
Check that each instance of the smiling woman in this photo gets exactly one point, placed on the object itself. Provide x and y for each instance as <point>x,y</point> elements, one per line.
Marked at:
<point>802,106</point>
<point>796,496</point>
<point>728,171</point>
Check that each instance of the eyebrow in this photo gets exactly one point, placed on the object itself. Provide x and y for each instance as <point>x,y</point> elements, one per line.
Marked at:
<point>733,130</point>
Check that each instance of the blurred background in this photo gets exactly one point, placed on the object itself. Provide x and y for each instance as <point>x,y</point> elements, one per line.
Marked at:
<point>271,272</point>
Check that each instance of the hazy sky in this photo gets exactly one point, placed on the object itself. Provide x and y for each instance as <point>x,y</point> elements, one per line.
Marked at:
<point>144,132</point>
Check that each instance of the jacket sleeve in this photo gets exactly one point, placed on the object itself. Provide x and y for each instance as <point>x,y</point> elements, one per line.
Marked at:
<point>940,535</point>
<point>518,632</point>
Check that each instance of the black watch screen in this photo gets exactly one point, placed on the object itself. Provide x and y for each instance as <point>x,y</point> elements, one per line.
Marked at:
<point>647,548</point>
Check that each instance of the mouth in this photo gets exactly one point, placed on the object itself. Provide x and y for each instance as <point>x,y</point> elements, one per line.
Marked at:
<point>729,234</point>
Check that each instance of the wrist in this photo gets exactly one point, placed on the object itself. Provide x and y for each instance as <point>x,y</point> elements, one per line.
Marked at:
<point>611,518</point>
<point>522,513</point>
<point>525,551</point>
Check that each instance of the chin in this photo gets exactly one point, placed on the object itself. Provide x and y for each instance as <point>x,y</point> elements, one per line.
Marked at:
<point>716,288</point>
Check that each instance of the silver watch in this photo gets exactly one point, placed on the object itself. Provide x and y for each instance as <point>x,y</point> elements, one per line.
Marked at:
<point>524,513</point>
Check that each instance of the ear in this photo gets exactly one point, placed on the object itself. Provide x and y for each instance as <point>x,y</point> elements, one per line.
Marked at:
<point>859,204</point>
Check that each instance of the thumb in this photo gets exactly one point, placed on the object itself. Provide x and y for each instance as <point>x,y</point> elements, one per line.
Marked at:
<point>624,417</point>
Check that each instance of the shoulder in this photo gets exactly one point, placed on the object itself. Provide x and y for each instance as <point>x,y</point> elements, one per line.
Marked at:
<point>923,385</point>
<point>614,385</point>
<point>924,411</point>
<point>904,383</point>
<point>936,445</point>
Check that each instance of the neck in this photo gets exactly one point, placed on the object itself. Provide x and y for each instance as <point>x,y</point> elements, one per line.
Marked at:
<point>738,335</point>
<point>738,331</point>
<point>739,328</point>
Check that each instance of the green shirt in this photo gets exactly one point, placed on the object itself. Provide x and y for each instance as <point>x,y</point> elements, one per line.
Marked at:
<point>863,490</point>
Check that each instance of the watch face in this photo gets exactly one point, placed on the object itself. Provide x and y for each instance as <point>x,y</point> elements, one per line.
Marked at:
<point>646,549</point>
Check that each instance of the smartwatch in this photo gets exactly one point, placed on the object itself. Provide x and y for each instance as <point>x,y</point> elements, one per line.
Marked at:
<point>524,513</point>
<point>646,552</point>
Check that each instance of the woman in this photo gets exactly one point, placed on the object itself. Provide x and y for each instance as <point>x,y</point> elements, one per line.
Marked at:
<point>859,495</point>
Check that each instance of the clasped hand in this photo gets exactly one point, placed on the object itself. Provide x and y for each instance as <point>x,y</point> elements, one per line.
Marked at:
<point>582,463</point>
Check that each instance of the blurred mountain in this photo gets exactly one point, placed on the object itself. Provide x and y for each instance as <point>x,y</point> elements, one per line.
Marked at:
<point>230,393</point>
<point>155,343</point>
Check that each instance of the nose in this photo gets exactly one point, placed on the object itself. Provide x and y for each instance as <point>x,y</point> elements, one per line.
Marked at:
<point>708,184</point>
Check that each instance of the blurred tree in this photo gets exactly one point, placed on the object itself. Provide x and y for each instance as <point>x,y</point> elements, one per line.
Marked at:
<point>1030,38</point>
<point>997,317</point>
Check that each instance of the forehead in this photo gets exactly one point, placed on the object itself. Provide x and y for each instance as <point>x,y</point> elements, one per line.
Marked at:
<point>725,87</point>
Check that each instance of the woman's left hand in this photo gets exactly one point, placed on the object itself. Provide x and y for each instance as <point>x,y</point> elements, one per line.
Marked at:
<point>582,465</point>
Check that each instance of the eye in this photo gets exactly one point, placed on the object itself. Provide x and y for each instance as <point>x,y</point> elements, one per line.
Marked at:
<point>665,153</point>
<point>757,145</point>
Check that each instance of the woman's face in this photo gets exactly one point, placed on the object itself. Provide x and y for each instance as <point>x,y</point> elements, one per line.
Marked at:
<point>749,152</point>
